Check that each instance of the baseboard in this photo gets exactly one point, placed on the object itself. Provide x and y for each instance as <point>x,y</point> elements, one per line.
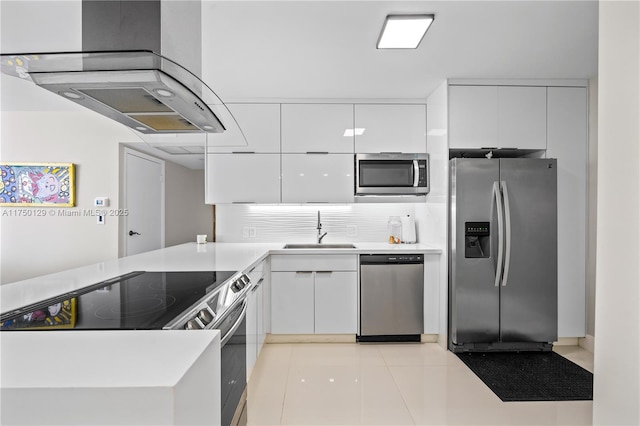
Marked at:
<point>429,338</point>
<point>566,341</point>
<point>587,342</point>
<point>330,338</point>
<point>310,338</point>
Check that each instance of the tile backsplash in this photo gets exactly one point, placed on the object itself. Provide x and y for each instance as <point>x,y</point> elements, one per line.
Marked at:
<point>297,223</point>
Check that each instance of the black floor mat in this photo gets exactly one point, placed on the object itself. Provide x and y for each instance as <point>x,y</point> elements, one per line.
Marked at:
<point>530,376</point>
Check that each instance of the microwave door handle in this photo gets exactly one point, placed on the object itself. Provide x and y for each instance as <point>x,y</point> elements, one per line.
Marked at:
<point>416,173</point>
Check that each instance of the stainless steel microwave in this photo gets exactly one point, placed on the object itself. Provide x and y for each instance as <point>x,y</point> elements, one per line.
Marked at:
<point>392,174</point>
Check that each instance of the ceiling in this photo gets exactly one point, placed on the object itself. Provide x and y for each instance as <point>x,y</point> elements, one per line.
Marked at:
<point>326,49</point>
<point>292,50</point>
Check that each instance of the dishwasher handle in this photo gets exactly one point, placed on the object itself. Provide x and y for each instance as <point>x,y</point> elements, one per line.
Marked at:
<point>391,259</point>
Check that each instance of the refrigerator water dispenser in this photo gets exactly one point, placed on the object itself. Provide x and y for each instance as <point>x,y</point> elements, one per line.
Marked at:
<point>476,240</point>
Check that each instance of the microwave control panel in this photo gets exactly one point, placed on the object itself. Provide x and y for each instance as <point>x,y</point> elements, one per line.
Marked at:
<point>422,173</point>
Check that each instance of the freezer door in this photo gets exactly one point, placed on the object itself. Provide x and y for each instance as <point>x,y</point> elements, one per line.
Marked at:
<point>528,307</point>
<point>473,297</point>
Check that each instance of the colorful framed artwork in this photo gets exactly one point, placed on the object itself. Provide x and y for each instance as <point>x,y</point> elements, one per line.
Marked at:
<point>37,184</point>
<point>62,315</point>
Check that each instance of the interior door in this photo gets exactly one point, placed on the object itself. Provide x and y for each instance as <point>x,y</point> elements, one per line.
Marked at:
<point>529,292</point>
<point>143,228</point>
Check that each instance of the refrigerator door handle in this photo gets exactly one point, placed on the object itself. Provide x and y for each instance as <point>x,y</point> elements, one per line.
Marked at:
<point>497,195</point>
<point>507,223</point>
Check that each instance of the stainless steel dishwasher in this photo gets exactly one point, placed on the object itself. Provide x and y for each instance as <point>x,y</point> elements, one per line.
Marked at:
<point>391,297</point>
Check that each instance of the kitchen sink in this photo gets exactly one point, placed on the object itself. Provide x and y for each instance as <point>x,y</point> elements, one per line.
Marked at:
<point>319,246</point>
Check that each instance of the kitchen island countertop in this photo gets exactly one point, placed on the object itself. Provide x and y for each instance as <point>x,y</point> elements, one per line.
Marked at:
<point>183,257</point>
<point>110,377</point>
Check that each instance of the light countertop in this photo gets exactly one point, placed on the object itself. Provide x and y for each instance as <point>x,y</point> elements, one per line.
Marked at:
<point>183,257</point>
<point>111,377</point>
<point>88,359</point>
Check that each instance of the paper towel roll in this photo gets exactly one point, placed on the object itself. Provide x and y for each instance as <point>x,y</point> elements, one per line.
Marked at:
<point>408,229</point>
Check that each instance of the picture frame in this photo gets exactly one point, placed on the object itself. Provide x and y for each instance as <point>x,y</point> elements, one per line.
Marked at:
<point>37,185</point>
<point>61,315</point>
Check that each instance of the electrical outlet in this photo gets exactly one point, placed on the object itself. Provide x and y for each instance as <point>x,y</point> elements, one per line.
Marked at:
<point>252,232</point>
<point>245,232</point>
<point>352,230</point>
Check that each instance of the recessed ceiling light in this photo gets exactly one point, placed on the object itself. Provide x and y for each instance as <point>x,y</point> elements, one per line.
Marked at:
<point>403,31</point>
<point>358,131</point>
<point>142,129</point>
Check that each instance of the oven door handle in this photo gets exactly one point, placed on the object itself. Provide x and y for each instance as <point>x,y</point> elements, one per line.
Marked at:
<point>233,329</point>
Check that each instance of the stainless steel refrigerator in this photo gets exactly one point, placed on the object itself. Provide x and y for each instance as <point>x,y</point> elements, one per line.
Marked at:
<point>503,270</point>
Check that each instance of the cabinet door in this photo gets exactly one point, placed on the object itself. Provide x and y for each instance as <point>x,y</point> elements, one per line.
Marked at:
<point>260,333</point>
<point>252,332</point>
<point>260,124</point>
<point>292,310</point>
<point>321,178</point>
<point>522,117</point>
<point>391,128</point>
<point>336,302</point>
<point>473,116</point>
<point>317,128</point>
<point>568,143</point>
<point>242,178</point>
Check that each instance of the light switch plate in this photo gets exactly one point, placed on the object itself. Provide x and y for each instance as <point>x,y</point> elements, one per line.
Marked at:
<point>352,230</point>
<point>101,202</point>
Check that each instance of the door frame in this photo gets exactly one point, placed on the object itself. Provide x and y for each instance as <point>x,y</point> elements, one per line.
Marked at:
<point>125,185</point>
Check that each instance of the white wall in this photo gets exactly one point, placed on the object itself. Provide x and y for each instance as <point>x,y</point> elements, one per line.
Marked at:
<point>186,214</point>
<point>617,323</point>
<point>33,246</point>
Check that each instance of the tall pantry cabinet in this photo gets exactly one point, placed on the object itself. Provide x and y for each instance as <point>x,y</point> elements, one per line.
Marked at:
<point>546,120</point>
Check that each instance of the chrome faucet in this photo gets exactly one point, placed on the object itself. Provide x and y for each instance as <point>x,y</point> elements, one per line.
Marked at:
<point>319,227</point>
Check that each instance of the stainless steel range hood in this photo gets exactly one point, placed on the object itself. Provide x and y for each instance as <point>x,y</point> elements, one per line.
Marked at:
<point>139,89</point>
<point>119,74</point>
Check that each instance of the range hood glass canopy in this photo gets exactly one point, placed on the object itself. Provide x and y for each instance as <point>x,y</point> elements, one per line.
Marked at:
<point>140,89</point>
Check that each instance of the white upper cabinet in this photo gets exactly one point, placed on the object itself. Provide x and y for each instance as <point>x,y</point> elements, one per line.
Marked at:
<point>391,128</point>
<point>317,178</point>
<point>473,120</point>
<point>317,128</point>
<point>260,124</point>
<point>242,178</point>
<point>497,117</point>
<point>522,117</point>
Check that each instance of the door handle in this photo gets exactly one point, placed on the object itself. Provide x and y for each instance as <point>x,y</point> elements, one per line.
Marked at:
<point>132,233</point>
<point>497,195</point>
<point>507,226</point>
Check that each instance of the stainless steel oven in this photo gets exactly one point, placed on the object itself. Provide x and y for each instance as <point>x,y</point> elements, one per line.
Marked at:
<point>391,174</point>
<point>158,300</point>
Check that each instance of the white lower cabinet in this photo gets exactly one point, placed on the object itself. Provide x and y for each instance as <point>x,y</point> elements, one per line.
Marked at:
<point>258,305</point>
<point>314,294</point>
<point>335,302</point>
<point>252,330</point>
<point>292,309</point>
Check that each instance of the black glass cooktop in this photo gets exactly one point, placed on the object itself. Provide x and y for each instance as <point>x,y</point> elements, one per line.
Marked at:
<point>137,301</point>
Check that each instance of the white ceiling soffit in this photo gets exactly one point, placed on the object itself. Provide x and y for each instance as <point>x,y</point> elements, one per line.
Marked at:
<point>326,49</point>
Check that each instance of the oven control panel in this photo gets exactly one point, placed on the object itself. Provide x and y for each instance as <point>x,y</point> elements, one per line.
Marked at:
<point>212,309</point>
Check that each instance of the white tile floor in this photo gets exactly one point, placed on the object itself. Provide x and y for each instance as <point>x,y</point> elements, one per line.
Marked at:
<point>389,384</point>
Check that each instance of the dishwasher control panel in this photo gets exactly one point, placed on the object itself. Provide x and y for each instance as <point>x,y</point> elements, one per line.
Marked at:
<point>390,259</point>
